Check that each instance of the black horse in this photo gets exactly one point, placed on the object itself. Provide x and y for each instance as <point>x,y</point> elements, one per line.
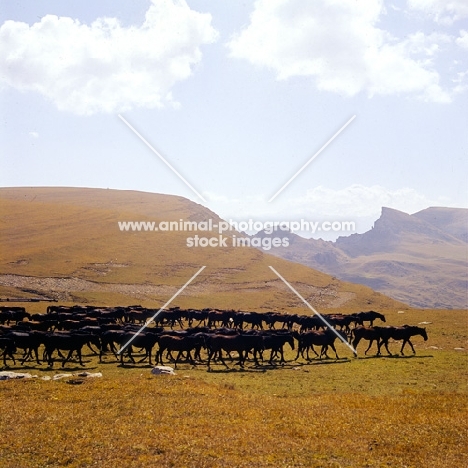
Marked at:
<point>241,344</point>
<point>369,316</point>
<point>404,334</point>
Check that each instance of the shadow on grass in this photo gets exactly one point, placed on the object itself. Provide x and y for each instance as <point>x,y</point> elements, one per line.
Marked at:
<point>396,356</point>
<point>291,365</point>
<point>136,365</point>
<point>241,370</point>
<point>46,368</point>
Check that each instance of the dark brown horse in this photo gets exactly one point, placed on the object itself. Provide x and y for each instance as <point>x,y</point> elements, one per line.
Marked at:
<point>364,333</point>
<point>276,342</point>
<point>404,334</point>
<point>369,316</point>
<point>380,335</point>
<point>181,344</point>
<point>324,338</point>
<point>241,344</point>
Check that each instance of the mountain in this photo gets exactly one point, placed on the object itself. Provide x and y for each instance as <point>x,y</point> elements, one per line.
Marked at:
<point>420,259</point>
<point>66,244</point>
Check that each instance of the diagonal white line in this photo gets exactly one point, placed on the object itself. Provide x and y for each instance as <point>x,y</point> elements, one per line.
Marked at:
<point>162,308</point>
<point>313,310</point>
<point>160,157</point>
<point>312,158</point>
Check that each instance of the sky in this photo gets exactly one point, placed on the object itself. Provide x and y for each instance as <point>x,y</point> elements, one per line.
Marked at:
<point>237,97</point>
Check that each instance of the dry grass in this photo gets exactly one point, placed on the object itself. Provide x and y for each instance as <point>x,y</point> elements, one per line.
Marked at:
<point>366,412</point>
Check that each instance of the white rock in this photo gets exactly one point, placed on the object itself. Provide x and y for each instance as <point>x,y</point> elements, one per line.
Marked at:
<point>160,370</point>
<point>61,376</point>
<point>89,375</point>
<point>7,375</point>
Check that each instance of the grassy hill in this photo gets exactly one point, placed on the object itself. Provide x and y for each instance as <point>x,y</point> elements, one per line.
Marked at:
<point>65,244</point>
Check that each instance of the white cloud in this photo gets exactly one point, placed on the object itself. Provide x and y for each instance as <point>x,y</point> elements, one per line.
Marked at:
<point>34,134</point>
<point>323,203</point>
<point>339,44</point>
<point>105,67</point>
<point>357,203</point>
<point>462,41</point>
<point>441,11</point>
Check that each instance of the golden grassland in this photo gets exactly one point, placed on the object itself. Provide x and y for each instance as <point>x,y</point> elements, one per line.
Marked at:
<point>367,412</point>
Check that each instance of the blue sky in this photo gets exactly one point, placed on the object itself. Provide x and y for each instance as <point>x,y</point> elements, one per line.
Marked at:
<point>237,96</point>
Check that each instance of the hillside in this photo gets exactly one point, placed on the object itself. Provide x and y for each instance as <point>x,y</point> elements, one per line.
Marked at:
<point>65,244</point>
<point>420,259</point>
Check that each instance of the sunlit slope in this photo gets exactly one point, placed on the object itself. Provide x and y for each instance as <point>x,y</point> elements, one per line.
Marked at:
<point>65,243</point>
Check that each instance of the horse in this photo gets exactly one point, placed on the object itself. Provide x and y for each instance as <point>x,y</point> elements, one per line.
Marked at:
<point>145,340</point>
<point>68,342</point>
<point>324,338</point>
<point>369,316</point>
<point>242,344</point>
<point>29,342</point>
<point>403,333</point>
<point>181,344</point>
<point>9,348</point>
<point>365,333</point>
<point>276,342</point>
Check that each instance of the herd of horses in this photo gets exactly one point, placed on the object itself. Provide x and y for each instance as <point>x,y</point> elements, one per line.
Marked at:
<point>194,336</point>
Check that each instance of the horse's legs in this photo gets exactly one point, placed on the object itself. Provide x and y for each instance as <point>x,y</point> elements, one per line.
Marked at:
<point>78,351</point>
<point>386,347</point>
<point>313,349</point>
<point>332,345</point>
<point>299,349</point>
<point>323,351</point>
<point>242,358</point>
<point>67,358</point>
<point>210,354</point>
<point>48,353</point>
<point>271,357</point>
<point>356,341</point>
<point>129,353</point>
<point>281,351</point>
<point>371,342</point>
<point>177,359</point>
<point>191,360</point>
<point>91,348</point>
<point>159,358</point>
<point>220,355</point>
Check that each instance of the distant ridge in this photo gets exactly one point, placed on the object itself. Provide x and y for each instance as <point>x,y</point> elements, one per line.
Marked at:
<point>421,259</point>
